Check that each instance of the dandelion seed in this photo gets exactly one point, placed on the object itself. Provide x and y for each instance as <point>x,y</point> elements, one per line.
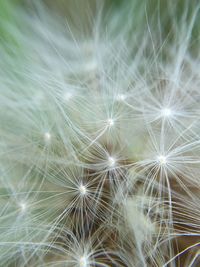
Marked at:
<point>162,160</point>
<point>121,97</point>
<point>166,112</point>
<point>82,189</point>
<point>23,207</point>
<point>67,96</point>
<point>110,122</point>
<point>83,262</point>
<point>111,161</point>
<point>47,136</point>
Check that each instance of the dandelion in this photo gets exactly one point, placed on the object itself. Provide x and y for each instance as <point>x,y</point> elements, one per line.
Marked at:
<point>100,143</point>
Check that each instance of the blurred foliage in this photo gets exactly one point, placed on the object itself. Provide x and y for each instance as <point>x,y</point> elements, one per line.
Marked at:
<point>8,19</point>
<point>165,19</point>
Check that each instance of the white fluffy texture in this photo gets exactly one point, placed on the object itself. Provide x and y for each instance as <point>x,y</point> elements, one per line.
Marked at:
<point>77,114</point>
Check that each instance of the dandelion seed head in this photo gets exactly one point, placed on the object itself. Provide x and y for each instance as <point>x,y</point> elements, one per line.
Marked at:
<point>93,129</point>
